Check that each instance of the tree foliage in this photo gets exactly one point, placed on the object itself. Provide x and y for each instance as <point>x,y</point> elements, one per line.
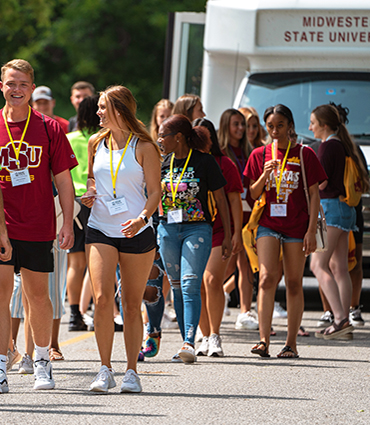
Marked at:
<point>104,42</point>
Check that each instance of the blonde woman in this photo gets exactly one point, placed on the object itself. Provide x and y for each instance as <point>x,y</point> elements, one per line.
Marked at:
<point>161,111</point>
<point>122,160</point>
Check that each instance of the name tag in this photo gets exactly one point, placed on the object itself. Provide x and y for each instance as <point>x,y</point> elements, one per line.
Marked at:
<point>174,216</point>
<point>118,205</point>
<point>278,210</point>
<point>20,177</point>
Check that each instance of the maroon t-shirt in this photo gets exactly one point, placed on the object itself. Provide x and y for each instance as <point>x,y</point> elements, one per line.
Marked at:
<point>332,156</point>
<point>29,208</point>
<point>234,184</point>
<point>295,224</point>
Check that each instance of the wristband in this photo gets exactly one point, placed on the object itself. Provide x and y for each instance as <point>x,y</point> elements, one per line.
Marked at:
<point>144,217</point>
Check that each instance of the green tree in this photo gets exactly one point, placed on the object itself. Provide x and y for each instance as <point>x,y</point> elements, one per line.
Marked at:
<point>104,42</point>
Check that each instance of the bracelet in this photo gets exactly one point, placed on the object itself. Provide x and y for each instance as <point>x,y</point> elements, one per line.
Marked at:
<point>144,217</point>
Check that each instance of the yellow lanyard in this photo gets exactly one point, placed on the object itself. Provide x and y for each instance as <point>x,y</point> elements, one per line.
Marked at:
<point>282,168</point>
<point>114,175</point>
<point>182,173</point>
<point>17,151</point>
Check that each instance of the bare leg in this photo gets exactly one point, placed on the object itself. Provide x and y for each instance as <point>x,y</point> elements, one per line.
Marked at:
<point>245,282</point>
<point>102,263</point>
<point>6,290</point>
<point>75,276</point>
<point>86,293</point>
<point>204,314</point>
<point>29,345</point>
<point>36,288</point>
<point>356,277</point>
<point>135,270</point>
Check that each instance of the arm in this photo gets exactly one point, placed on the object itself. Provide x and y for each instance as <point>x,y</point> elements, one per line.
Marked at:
<point>6,248</point>
<point>88,198</point>
<point>148,158</point>
<point>237,215</point>
<point>223,210</point>
<point>64,185</point>
<point>256,187</point>
<point>309,241</point>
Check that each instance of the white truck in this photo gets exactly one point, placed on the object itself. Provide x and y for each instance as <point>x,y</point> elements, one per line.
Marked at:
<point>301,53</point>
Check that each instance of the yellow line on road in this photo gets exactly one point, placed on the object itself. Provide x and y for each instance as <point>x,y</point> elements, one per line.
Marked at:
<point>77,339</point>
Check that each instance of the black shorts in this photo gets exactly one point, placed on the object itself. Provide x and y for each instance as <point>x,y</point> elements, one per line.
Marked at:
<point>80,234</point>
<point>139,244</point>
<point>34,256</point>
<point>359,235</point>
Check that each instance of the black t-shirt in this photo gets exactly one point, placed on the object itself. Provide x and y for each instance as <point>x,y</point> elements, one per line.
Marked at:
<point>202,174</point>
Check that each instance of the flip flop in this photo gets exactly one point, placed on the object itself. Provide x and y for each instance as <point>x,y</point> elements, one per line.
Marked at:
<point>287,349</point>
<point>261,351</point>
<point>55,355</point>
<point>302,331</point>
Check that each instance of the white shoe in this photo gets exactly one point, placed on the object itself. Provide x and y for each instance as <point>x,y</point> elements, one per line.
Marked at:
<point>12,358</point>
<point>215,348</point>
<point>43,371</point>
<point>131,383</point>
<point>187,354</point>
<point>26,365</point>
<point>176,359</point>
<point>198,335</point>
<point>3,382</point>
<point>326,319</point>
<point>279,312</point>
<point>246,321</point>
<point>227,311</point>
<point>103,381</point>
<point>203,349</point>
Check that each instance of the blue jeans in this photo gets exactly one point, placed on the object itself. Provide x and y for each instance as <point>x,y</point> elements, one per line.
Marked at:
<point>184,250</point>
<point>155,309</point>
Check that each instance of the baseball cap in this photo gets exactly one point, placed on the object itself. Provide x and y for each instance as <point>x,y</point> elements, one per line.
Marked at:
<point>42,92</point>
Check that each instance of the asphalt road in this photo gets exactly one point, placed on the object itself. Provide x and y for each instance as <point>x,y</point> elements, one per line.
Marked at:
<point>328,384</point>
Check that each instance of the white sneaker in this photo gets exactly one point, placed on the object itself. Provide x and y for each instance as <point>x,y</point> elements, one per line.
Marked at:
<point>103,381</point>
<point>176,359</point>
<point>12,358</point>
<point>246,321</point>
<point>3,382</point>
<point>187,354</point>
<point>326,319</point>
<point>279,312</point>
<point>203,349</point>
<point>26,364</point>
<point>131,383</point>
<point>198,335</point>
<point>43,371</point>
<point>215,349</point>
<point>227,311</point>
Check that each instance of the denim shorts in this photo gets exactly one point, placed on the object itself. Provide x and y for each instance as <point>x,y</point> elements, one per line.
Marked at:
<point>265,231</point>
<point>339,214</point>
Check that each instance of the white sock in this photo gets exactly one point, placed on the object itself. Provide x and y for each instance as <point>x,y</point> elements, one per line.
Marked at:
<point>41,353</point>
<point>3,362</point>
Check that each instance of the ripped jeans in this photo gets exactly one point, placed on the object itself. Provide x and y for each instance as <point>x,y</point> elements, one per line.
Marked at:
<point>155,306</point>
<point>184,250</point>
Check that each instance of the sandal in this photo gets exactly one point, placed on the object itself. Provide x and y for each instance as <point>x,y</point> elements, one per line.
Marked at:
<point>339,330</point>
<point>287,349</point>
<point>260,351</point>
<point>302,331</point>
<point>55,355</point>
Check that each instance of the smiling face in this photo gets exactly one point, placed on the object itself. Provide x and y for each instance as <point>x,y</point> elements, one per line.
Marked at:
<point>236,129</point>
<point>252,129</point>
<point>278,127</point>
<point>317,129</point>
<point>17,88</point>
<point>167,140</point>
<point>102,112</point>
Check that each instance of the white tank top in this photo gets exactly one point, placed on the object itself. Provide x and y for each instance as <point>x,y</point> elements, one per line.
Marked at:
<point>130,184</point>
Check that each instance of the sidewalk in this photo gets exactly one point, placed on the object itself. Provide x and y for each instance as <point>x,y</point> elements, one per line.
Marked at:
<point>328,384</point>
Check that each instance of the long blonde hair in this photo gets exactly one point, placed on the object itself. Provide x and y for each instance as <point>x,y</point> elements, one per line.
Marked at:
<point>120,99</point>
<point>154,127</point>
<point>224,135</point>
<point>249,112</point>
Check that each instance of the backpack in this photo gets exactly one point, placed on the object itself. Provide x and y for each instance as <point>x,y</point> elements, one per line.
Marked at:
<point>352,182</point>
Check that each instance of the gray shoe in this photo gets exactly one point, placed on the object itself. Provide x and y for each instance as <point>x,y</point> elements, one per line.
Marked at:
<point>13,357</point>
<point>26,365</point>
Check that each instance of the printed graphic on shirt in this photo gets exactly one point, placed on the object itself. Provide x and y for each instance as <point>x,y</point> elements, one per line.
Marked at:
<point>29,156</point>
<point>289,181</point>
<point>185,196</point>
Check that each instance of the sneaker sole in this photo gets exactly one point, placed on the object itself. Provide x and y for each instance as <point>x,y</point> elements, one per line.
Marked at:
<point>49,386</point>
<point>240,327</point>
<point>25,371</point>
<point>216,354</point>
<point>129,390</point>
<point>187,357</point>
<point>4,390</point>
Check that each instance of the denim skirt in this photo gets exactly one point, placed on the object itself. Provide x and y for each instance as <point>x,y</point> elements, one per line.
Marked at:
<point>339,214</point>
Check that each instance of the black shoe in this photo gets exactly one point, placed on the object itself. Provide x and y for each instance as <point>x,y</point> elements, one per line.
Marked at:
<point>76,323</point>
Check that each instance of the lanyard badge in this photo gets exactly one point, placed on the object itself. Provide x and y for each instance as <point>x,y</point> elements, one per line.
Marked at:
<point>282,168</point>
